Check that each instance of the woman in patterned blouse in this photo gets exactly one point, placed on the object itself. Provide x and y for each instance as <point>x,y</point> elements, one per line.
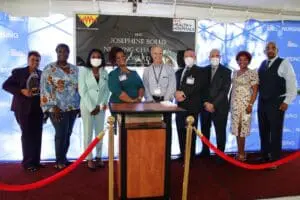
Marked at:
<point>60,97</point>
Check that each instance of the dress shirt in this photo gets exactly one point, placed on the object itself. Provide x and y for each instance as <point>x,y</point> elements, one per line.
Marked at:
<point>287,72</point>
<point>159,76</point>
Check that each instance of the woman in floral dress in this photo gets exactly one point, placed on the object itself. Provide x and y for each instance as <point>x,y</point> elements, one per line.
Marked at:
<point>244,92</point>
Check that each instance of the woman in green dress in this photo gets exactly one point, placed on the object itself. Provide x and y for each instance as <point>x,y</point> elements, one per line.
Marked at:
<point>125,85</point>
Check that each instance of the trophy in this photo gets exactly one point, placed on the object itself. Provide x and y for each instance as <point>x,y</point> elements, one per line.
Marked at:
<point>33,84</point>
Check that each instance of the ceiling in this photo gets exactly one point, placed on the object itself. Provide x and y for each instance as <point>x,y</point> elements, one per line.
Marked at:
<point>265,4</point>
<point>276,5</point>
<point>224,10</point>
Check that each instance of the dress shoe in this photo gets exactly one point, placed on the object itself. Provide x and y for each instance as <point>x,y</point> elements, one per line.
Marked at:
<point>179,157</point>
<point>32,169</point>
<point>68,163</point>
<point>263,159</point>
<point>60,166</point>
<point>91,165</point>
<point>203,155</point>
<point>219,161</point>
<point>40,166</point>
<point>99,163</point>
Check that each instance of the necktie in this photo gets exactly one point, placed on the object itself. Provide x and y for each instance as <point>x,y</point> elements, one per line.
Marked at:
<point>268,64</point>
<point>185,74</point>
<point>213,71</point>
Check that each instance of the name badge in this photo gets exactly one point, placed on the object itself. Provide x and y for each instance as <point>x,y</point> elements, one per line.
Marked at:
<point>157,91</point>
<point>123,77</point>
<point>190,81</point>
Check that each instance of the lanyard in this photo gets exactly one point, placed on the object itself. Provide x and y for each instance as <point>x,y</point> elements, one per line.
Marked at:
<point>155,75</point>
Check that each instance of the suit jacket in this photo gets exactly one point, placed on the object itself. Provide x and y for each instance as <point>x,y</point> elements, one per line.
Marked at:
<point>14,84</point>
<point>195,93</point>
<point>92,93</point>
<point>218,88</point>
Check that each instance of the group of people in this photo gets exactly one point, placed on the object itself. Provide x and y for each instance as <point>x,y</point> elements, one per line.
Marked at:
<point>65,91</point>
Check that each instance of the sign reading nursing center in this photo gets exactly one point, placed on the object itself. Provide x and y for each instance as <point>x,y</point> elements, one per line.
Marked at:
<point>135,35</point>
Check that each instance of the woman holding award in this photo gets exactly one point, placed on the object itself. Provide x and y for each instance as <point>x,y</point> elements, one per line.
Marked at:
<point>94,93</point>
<point>24,84</point>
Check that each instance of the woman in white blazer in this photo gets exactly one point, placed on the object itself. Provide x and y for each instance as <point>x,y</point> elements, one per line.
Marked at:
<point>94,93</point>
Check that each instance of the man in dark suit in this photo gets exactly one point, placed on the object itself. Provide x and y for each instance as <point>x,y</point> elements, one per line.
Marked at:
<point>216,106</point>
<point>277,89</point>
<point>190,85</point>
<point>23,84</point>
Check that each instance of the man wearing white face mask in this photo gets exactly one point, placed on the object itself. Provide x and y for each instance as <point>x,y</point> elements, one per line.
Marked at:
<point>94,93</point>
<point>191,83</point>
<point>216,106</point>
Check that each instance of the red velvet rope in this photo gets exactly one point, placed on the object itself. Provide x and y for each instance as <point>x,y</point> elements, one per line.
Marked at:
<point>245,165</point>
<point>46,181</point>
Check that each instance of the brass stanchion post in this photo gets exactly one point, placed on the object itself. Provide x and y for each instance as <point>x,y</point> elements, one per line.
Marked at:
<point>111,121</point>
<point>189,131</point>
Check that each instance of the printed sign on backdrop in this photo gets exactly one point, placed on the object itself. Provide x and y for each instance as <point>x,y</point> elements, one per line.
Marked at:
<point>135,35</point>
<point>184,25</point>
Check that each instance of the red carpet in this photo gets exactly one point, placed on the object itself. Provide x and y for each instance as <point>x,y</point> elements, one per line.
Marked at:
<point>208,181</point>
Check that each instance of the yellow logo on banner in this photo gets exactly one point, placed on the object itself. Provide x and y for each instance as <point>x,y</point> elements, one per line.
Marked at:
<point>88,20</point>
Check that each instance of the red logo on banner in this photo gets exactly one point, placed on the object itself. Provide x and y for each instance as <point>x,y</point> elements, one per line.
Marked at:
<point>88,20</point>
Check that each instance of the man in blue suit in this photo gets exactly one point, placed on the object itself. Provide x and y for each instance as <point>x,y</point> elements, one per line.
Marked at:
<point>23,84</point>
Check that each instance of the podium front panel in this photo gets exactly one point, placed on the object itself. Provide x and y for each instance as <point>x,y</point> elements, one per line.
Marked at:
<point>145,162</point>
<point>144,149</point>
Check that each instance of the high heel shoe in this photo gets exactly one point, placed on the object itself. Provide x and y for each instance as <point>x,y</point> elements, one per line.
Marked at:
<point>60,166</point>
<point>91,165</point>
<point>241,157</point>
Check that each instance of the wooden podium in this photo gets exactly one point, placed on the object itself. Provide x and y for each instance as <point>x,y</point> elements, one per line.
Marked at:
<point>143,167</point>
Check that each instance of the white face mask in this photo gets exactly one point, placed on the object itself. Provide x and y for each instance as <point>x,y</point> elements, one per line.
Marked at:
<point>189,61</point>
<point>215,61</point>
<point>96,62</point>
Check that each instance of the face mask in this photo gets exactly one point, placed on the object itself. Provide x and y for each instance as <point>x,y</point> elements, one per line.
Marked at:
<point>96,62</point>
<point>189,61</point>
<point>215,61</point>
